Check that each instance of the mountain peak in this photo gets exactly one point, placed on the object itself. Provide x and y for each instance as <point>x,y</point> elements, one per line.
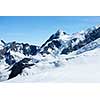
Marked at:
<point>23,57</point>
<point>60,32</point>
<point>97,26</point>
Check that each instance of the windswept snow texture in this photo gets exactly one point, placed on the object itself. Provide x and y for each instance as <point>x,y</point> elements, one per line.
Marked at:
<point>62,58</point>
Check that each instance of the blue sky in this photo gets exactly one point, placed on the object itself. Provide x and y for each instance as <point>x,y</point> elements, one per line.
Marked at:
<point>36,30</point>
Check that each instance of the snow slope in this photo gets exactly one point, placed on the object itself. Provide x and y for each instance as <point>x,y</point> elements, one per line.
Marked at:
<point>62,58</point>
<point>90,46</point>
<point>83,68</point>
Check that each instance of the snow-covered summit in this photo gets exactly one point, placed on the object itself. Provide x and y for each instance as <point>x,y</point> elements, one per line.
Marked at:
<point>61,49</point>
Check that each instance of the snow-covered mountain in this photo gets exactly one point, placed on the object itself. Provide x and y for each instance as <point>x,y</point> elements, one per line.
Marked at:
<point>63,57</point>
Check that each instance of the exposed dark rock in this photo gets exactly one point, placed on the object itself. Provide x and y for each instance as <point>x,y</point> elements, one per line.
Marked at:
<point>65,51</point>
<point>3,42</point>
<point>89,37</point>
<point>18,67</point>
<point>57,43</point>
<point>9,58</point>
<point>54,36</point>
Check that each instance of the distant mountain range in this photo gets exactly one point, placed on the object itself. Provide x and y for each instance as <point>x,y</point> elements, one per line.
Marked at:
<point>16,57</point>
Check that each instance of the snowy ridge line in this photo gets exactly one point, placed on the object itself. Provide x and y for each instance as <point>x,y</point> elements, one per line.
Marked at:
<point>61,56</point>
<point>91,46</point>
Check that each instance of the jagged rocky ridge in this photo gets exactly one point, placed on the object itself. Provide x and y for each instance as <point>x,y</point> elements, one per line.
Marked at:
<point>64,44</point>
<point>58,44</point>
<point>25,49</point>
